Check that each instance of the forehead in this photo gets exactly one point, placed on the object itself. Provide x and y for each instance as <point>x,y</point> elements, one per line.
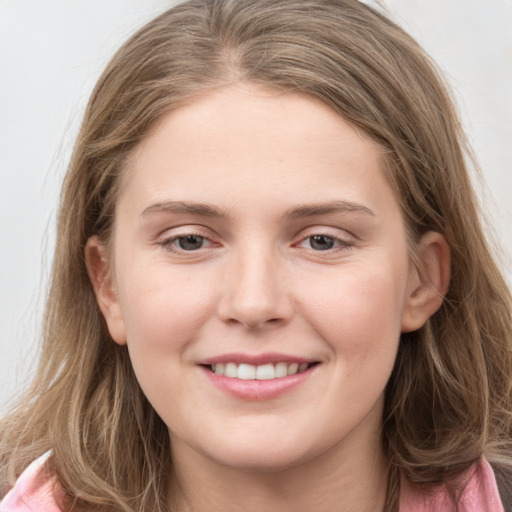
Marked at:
<point>242,138</point>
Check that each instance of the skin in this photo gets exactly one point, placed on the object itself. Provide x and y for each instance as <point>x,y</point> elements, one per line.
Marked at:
<point>258,283</point>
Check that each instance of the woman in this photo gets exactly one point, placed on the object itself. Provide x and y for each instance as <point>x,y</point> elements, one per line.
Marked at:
<point>271,288</point>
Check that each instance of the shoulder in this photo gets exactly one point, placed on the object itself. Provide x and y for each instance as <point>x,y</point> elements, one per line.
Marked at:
<point>480,492</point>
<point>34,490</point>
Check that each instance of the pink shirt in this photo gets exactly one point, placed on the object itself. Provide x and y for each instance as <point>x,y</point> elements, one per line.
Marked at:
<point>34,492</point>
<point>479,495</point>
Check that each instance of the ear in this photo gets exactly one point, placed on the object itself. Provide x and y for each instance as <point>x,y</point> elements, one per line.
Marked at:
<point>98,268</point>
<point>428,282</point>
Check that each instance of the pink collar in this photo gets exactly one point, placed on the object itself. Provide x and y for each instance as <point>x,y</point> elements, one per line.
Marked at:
<point>480,494</point>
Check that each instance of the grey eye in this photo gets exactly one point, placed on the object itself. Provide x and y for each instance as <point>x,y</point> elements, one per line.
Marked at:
<point>190,242</point>
<point>321,242</point>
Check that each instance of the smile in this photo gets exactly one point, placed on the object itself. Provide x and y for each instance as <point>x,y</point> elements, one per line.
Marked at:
<point>257,378</point>
<point>267,371</point>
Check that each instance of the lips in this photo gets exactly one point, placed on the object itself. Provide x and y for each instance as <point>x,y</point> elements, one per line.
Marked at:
<point>257,377</point>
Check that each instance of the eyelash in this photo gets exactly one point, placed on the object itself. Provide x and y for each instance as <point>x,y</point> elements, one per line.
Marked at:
<point>339,244</point>
<point>169,243</point>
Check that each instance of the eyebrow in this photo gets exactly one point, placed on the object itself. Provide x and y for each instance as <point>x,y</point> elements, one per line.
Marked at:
<point>312,210</point>
<point>297,212</point>
<point>199,209</point>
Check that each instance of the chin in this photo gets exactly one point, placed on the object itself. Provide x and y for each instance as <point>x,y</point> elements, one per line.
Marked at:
<point>262,464</point>
<point>260,457</point>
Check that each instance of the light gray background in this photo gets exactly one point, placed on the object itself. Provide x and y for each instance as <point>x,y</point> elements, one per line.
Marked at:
<point>51,53</point>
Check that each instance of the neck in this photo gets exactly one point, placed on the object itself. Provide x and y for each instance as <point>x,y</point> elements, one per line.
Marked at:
<point>352,476</point>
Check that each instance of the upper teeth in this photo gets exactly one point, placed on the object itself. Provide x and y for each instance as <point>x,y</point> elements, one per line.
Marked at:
<point>263,372</point>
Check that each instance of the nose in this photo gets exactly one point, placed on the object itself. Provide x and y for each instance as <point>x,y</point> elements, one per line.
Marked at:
<point>255,294</point>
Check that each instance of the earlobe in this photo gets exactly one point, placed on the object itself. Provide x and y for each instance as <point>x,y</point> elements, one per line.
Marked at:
<point>429,279</point>
<point>103,284</point>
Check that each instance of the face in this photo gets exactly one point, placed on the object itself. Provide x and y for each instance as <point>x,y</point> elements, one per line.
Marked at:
<point>261,278</point>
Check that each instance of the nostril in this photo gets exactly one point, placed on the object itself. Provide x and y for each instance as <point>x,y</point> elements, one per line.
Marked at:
<point>263,323</point>
<point>254,307</point>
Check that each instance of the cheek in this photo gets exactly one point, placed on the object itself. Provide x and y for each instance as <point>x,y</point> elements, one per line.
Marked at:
<point>163,314</point>
<point>164,310</point>
<point>359,312</point>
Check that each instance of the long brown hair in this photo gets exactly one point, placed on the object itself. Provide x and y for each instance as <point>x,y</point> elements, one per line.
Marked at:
<point>448,402</point>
